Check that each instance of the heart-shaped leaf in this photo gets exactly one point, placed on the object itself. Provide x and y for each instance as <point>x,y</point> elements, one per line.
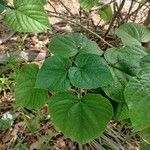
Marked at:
<point>125,59</point>
<point>90,72</point>
<point>54,74</point>
<point>75,117</point>
<point>25,93</point>
<point>68,45</point>
<point>133,34</point>
<point>124,63</point>
<point>27,16</point>
<point>137,96</point>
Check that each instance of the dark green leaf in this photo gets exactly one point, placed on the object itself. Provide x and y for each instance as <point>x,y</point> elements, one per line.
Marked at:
<point>76,117</point>
<point>137,96</point>
<point>116,88</point>
<point>90,72</point>
<point>133,34</point>
<point>106,13</point>
<point>68,45</point>
<point>25,93</point>
<point>125,59</point>
<point>27,16</point>
<point>145,61</point>
<point>54,74</point>
<point>3,4</point>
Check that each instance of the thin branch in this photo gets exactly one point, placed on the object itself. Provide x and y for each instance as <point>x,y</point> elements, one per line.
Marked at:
<point>115,16</point>
<point>6,37</point>
<point>52,7</point>
<point>87,29</point>
<point>66,8</point>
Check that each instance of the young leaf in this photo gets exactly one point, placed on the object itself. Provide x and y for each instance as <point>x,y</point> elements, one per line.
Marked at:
<point>53,75</point>
<point>137,96</point>
<point>106,13</point>
<point>133,34</point>
<point>25,93</point>
<point>90,72</point>
<point>3,4</point>
<point>145,61</point>
<point>68,45</point>
<point>88,4</point>
<point>75,117</point>
<point>27,16</point>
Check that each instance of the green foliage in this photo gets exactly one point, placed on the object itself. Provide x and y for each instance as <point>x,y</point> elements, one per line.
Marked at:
<point>54,74</point>
<point>68,45</point>
<point>25,93</point>
<point>26,16</point>
<point>80,66</point>
<point>75,117</point>
<point>121,112</point>
<point>145,143</point>
<point>145,61</point>
<point>133,34</point>
<point>89,72</point>
<point>106,13</point>
<point>88,4</point>
<point>5,124</point>
<point>137,96</point>
<point>2,5</point>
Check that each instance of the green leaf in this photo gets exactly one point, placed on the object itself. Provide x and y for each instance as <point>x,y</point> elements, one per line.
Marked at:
<point>137,96</point>
<point>54,74</point>
<point>124,63</point>
<point>88,4</point>
<point>3,4</point>
<point>116,88</point>
<point>121,112</point>
<point>133,34</point>
<point>145,61</point>
<point>76,117</point>
<point>90,72</point>
<point>125,59</point>
<point>106,13</point>
<point>25,93</point>
<point>43,1</point>
<point>68,45</point>
<point>27,16</point>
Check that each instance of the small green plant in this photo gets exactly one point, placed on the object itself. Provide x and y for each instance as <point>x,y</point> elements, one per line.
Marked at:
<point>79,65</point>
<point>5,84</point>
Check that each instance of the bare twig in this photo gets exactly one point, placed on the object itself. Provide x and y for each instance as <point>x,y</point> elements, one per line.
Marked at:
<point>53,7</point>
<point>84,27</point>
<point>62,3</point>
<point>6,37</point>
<point>115,16</point>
